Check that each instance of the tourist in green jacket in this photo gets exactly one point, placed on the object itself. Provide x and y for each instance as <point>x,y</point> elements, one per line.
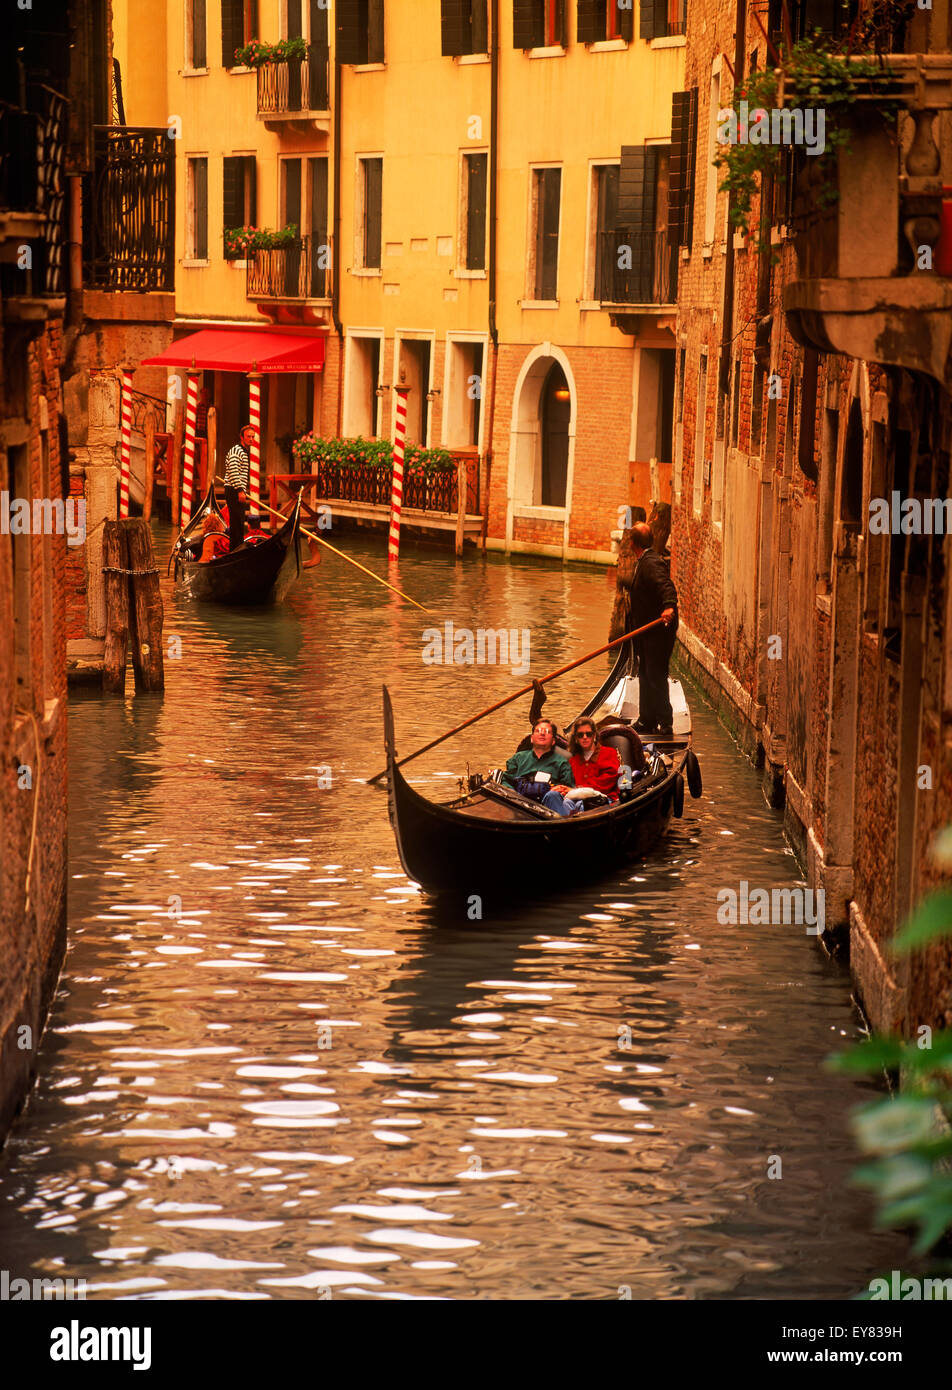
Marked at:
<point>542,772</point>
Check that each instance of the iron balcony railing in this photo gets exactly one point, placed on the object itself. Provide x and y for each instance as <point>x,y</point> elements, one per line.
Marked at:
<point>636,267</point>
<point>296,271</point>
<point>299,84</point>
<point>129,210</point>
<point>33,179</point>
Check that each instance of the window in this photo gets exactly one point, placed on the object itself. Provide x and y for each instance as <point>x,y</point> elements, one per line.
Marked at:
<point>662,19</point>
<point>370,188</point>
<point>361,402</point>
<point>196,48</point>
<point>196,236</point>
<point>21,567</point>
<point>646,257</point>
<point>465,27</point>
<point>607,237</point>
<point>538,23</point>
<point>735,415</point>
<point>317,222</point>
<point>239,25</point>
<point>683,157</point>
<point>713,173</point>
<point>757,410</point>
<point>412,371</point>
<point>360,31</point>
<point>464,394</point>
<point>605,19</point>
<point>544,245</point>
<point>826,498</point>
<point>475,168</point>
<point>239,191</point>
<point>700,426</point>
<point>307,85</point>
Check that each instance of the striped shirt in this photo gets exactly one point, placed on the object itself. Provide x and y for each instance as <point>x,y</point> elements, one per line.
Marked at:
<point>237,465</point>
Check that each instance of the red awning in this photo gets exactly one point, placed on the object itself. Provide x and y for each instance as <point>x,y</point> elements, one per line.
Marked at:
<point>243,350</point>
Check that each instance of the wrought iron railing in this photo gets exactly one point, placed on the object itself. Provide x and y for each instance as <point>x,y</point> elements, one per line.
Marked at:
<point>33,179</point>
<point>299,84</point>
<point>635,267</point>
<point>425,492</point>
<point>296,271</point>
<point>129,210</point>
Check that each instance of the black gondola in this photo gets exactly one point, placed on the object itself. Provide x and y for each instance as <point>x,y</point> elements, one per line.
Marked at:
<point>252,574</point>
<point>493,842</point>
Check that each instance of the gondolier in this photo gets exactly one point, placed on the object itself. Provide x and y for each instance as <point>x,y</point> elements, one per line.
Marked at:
<point>237,471</point>
<point>653,596</point>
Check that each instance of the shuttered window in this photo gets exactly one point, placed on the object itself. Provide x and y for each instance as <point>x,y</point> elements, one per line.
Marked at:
<point>197,46</point>
<point>239,25</point>
<point>198,209</point>
<point>360,30</point>
<point>320,251</point>
<point>476,178</point>
<point>547,200</point>
<point>538,23</point>
<point>599,20</point>
<point>372,177</point>
<point>637,185</point>
<point>464,27</point>
<point>608,242</point>
<point>239,191</point>
<point>683,158</point>
<point>661,19</point>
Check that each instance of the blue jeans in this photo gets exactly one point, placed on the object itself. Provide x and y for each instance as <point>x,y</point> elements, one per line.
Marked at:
<point>556,802</point>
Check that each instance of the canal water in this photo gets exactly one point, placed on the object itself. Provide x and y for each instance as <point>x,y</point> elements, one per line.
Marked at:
<point>275,1069</point>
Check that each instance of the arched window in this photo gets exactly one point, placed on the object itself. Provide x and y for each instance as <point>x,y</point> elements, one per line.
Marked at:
<point>555,411</point>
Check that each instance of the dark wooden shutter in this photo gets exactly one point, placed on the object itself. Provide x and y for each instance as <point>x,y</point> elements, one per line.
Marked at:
<point>455,27</point>
<point>200,207</point>
<point>683,157</point>
<point>375,49</point>
<point>199,45</point>
<point>292,193</point>
<point>609,237</point>
<point>637,188</point>
<point>626,19</point>
<point>347,31</point>
<point>251,185</point>
<point>373,200</point>
<point>562,22</point>
<point>477,165</point>
<point>232,30</point>
<point>526,29</point>
<point>317,173</point>
<point>295,19</point>
<point>233,192</point>
<point>479,39</point>
<point>654,19</point>
<point>547,233</point>
<point>250,20</point>
<point>590,24</point>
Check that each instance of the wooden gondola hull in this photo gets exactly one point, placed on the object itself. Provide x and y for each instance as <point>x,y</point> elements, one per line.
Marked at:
<point>250,576</point>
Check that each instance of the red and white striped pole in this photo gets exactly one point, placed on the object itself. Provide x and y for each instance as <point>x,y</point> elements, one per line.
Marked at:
<point>188,452</point>
<point>396,497</point>
<point>254,453</point>
<point>125,444</point>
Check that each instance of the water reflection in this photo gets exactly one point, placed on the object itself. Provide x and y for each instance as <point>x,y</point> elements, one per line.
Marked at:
<point>276,1070</point>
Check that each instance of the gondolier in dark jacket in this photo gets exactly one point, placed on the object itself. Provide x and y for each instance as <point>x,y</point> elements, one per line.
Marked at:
<point>237,472</point>
<point>653,595</point>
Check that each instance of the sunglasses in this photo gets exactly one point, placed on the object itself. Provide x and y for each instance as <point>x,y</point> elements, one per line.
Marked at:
<point>585,733</point>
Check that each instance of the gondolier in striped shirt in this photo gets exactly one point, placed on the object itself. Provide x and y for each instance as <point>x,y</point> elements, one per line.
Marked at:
<point>237,469</point>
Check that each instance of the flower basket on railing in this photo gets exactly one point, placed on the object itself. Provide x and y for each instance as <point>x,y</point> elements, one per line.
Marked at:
<point>240,242</point>
<point>255,53</point>
<point>361,470</point>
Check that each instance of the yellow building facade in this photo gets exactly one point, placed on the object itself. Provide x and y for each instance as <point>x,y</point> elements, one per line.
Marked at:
<point>486,226</point>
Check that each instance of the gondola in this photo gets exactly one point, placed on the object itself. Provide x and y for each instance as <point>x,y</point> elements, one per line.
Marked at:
<point>252,574</point>
<point>493,842</point>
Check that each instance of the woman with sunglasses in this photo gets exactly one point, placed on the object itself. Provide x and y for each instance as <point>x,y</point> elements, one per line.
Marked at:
<point>593,764</point>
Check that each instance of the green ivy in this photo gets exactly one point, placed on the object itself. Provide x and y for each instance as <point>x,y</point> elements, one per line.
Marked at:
<point>815,75</point>
<point>312,450</point>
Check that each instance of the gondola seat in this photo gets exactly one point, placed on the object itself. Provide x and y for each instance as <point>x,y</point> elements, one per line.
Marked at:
<point>626,744</point>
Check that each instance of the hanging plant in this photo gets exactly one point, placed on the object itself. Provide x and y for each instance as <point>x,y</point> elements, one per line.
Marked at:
<point>805,104</point>
<point>240,242</point>
<point>255,53</point>
<point>350,454</point>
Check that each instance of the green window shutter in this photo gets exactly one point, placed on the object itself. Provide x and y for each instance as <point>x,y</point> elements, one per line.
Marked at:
<point>590,22</point>
<point>654,19</point>
<point>347,31</point>
<point>232,30</point>
<point>527,31</point>
<point>637,187</point>
<point>199,46</point>
<point>683,156</point>
<point>373,206</point>
<point>455,27</point>
<point>477,166</point>
<point>251,177</point>
<point>375,48</point>
<point>200,206</point>
<point>626,19</point>
<point>233,190</point>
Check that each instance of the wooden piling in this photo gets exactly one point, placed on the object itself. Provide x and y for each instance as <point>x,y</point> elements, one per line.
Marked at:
<point>145,608</point>
<point>175,476</point>
<point>149,464</point>
<point>115,560</point>
<point>461,480</point>
<point>211,442</point>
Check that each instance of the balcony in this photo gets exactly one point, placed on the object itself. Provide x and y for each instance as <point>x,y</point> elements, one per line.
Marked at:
<point>868,281</point>
<point>33,202</point>
<point>290,274</point>
<point>129,210</point>
<point>648,288</point>
<point>295,92</point>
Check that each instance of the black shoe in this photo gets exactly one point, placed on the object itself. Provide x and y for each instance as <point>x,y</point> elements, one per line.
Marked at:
<point>665,731</point>
<point>643,727</point>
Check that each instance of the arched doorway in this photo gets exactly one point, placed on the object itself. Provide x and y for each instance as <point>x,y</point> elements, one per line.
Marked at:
<point>555,415</point>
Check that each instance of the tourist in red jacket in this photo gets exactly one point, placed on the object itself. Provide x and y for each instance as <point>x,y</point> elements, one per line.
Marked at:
<point>593,764</point>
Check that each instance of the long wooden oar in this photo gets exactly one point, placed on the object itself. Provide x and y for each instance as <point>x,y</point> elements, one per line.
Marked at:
<point>509,698</point>
<point>311,537</point>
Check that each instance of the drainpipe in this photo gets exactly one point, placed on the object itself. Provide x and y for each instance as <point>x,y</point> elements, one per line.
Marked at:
<point>335,265</point>
<point>493,330</point>
<point>727,317</point>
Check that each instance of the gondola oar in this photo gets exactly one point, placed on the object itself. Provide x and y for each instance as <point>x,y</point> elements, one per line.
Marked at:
<point>311,537</point>
<point>533,685</point>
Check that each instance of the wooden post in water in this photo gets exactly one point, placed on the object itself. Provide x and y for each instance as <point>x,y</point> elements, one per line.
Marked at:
<point>175,472</point>
<point>211,437</point>
<point>149,464</point>
<point>115,559</point>
<point>461,476</point>
<point>145,608</point>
